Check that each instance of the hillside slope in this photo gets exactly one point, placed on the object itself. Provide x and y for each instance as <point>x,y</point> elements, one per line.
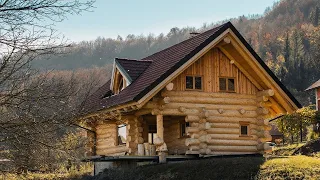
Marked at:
<point>286,36</point>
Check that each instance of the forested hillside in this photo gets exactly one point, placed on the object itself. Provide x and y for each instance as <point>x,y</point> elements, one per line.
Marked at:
<point>286,36</point>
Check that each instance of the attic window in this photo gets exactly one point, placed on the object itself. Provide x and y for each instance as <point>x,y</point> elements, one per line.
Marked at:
<point>227,84</point>
<point>194,82</point>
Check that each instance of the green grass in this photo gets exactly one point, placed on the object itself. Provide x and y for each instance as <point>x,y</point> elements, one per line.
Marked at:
<point>292,167</point>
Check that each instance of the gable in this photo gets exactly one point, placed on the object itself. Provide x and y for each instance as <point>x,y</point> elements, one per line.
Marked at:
<point>210,67</point>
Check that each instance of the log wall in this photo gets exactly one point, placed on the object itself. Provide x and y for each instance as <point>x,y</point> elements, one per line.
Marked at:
<point>211,66</point>
<point>107,139</point>
<point>215,120</point>
<point>172,135</point>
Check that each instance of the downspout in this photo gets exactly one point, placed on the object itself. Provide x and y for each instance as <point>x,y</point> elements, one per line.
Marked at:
<point>94,137</point>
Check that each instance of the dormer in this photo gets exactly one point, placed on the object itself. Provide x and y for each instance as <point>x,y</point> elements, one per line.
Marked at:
<point>125,71</point>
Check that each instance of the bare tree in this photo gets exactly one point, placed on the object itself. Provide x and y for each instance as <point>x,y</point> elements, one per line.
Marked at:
<point>33,105</point>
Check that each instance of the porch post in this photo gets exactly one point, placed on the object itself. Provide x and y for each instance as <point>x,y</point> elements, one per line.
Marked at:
<point>162,154</point>
<point>160,126</point>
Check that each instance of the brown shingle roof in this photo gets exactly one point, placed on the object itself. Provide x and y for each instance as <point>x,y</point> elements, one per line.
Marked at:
<point>134,68</point>
<point>167,61</point>
<point>314,85</point>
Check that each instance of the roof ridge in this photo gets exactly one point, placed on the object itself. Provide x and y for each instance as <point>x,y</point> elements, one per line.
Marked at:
<point>189,39</point>
<point>140,60</point>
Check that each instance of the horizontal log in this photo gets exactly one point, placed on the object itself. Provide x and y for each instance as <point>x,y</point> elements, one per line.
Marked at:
<point>231,136</point>
<point>174,105</point>
<point>195,136</point>
<point>222,119</point>
<point>106,130</point>
<point>203,145</point>
<point>175,112</point>
<point>232,113</point>
<point>204,100</point>
<point>233,148</point>
<point>192,142</point>
<point>112,150</point>
<point>232,142</point>
<point>268,92</point>
<point>194,148</point>
<point>190,130</point>
<point>144,111</point>
<point>225,125</point>
<point>262,99</point>
<point>192,118</point>
<point>105,136</point>
<point>262,111</point>
<point>223,131</point>
<point>207,94</point>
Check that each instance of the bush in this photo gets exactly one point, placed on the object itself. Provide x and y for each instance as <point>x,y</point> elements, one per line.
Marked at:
<point>312,135</point>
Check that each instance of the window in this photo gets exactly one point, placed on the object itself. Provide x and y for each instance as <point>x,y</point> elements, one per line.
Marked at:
<point>194,82</point>
<point>183,128</point>
<point>244,129</point>
<point>227,84</point>
<point>122,134</point>
<point>152,132</point>
<point>121,85</point>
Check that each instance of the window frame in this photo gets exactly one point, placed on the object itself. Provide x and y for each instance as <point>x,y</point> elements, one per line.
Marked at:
<point>227,84</point>
<point>185,125</point>
<point>194,82</point>
<point>118,135</point>
<point>247,124</point>
<point>153,132</point>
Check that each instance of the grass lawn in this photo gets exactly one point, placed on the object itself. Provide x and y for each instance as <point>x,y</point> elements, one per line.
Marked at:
<point>291,167</point>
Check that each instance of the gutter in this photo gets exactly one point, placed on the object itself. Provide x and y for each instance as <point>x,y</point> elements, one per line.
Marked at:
<point>275,118</point>
<point>94,137</point>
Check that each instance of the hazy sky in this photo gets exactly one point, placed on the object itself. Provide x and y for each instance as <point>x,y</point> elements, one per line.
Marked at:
<point>111,18</point>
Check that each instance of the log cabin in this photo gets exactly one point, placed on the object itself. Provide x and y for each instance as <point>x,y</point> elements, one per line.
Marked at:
<point>208,95</point>
<point>316,87</point>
